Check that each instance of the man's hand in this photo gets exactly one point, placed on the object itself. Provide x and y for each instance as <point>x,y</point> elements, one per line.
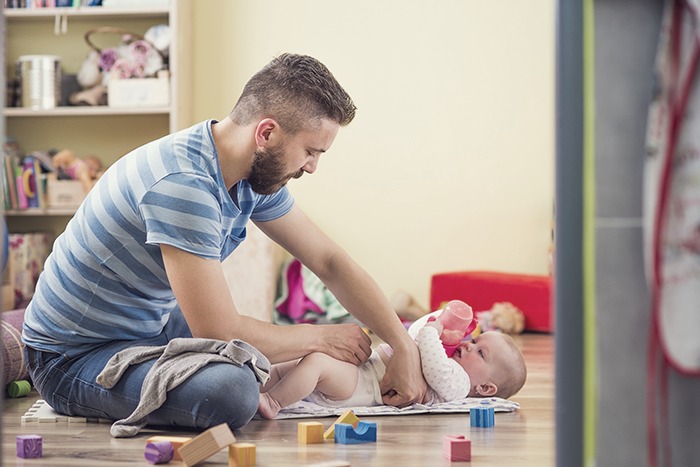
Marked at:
<point>403,384</point>
<point>346,342</point>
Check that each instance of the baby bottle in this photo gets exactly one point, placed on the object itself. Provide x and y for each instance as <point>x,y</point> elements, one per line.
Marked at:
<point>457,321</point>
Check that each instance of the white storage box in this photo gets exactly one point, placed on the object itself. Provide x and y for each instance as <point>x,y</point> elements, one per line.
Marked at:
<point>136,92</point>
<point>63,193</point>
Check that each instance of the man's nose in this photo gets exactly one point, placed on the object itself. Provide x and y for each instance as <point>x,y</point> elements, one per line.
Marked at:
<point>310,167</point>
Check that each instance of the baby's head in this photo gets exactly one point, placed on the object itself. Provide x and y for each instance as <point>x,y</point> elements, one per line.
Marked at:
<point>494,363</point>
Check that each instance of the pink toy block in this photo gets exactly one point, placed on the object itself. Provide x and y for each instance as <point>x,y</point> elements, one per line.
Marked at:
<point>457,448</point>
<point>29,446</point>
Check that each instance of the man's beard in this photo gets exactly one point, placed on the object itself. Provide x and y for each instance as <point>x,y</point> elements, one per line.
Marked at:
<point>267,174</point>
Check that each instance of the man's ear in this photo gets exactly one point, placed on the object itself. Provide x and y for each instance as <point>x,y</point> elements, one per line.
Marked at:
<point>487,389</point>
<point>265,132</point>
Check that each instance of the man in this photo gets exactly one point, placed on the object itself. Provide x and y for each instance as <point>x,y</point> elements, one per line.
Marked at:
<point>140,262</point>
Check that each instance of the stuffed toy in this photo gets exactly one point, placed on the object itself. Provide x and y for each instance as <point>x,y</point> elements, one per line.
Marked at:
<point>504,317</point>
<point>406,306</point>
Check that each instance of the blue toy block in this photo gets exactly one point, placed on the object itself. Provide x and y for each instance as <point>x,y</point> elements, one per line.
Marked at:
<point>482,417</point>
<point>366,432</point>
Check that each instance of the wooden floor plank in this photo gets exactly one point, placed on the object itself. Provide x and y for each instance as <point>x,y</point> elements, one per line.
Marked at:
<point>522,438</point>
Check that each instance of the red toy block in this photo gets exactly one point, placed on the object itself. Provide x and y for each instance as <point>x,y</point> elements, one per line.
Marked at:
<point>481,289</point>
<point>456,448</point>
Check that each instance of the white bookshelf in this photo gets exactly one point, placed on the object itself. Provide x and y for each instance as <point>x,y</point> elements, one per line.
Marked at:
<point>101,130</point>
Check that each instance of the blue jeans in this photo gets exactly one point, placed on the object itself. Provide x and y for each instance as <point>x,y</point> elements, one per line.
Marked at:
<point>218,393</point>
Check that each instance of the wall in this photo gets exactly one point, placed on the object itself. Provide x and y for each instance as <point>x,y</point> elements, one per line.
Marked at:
<point>449,162</point>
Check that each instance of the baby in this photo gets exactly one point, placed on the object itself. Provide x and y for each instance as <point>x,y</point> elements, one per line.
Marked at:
<point>490,365</point>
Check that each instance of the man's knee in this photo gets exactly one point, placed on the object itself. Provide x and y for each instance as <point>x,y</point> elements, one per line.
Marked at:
<point>229,395</point>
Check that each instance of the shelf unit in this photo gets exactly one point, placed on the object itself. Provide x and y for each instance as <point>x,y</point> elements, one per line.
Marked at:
<point>106,132</point>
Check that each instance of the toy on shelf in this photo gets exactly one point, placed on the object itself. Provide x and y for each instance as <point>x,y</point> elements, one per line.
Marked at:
<point>69,166</point>
<point>457,321</point>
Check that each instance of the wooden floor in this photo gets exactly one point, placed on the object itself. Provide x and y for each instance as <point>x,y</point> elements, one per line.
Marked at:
<point>521,438</point>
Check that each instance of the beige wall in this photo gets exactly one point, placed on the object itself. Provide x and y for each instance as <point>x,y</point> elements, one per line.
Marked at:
<point>449,164</point>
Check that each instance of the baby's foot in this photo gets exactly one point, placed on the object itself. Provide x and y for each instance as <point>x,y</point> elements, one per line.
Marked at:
<point>268,407</point>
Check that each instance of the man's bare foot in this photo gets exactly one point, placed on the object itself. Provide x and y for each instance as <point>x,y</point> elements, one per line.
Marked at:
<point>268,407</point>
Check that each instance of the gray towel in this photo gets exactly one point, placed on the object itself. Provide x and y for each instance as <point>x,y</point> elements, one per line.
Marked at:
<point>178,360</point>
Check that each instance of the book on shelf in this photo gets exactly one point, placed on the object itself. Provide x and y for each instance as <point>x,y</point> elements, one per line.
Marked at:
<point>23,183</point>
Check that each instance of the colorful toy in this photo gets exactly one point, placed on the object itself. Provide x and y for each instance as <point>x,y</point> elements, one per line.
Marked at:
<point>347,417</point>
<point>310,432</point>
<point>18,388</point>
<point>206,444</point>
<point>366,432</point>
<point>175,441</point>
<point>456,448</point>
<point>29,446</point>
<point>159,452</point>
<point>504,317</point>
<point>457,321</point>
<point>482,417</point>
<point>241,455</point>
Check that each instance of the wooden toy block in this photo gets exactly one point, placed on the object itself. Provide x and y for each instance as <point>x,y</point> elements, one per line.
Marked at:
<point>482,417</point>
<point>176,441</point>
<point>159,452</point>
<point>29,446</point>
<point>206,444</point>
<point>456,448</point>
<point>310,432</point>
<point>366,432</point>
<point>348,417</point>
<point>241,455</point>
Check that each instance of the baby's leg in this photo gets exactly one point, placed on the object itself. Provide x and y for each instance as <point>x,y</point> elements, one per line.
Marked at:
<point>277,372</point>
<point>335,379</point>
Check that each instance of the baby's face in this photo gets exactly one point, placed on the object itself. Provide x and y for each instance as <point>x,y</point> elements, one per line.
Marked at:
<point>481,357</point>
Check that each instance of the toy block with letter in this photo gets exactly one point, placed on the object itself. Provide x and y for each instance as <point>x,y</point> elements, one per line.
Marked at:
<point>29,446</point>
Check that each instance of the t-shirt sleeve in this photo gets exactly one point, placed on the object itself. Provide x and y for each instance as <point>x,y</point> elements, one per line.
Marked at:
<point>274,206</point>
<point>444,375</point>
<point>182,210</point>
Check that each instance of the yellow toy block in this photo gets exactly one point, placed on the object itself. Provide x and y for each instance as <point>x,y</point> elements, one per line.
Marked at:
<point>241,455</point>
<point>310,432</point>
<point>348,417</point>
<point>206,444</point>
<point>176,441</point>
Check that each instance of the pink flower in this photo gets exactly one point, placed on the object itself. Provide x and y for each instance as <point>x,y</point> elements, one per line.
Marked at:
<point>138,70</point>
<point>122,69</point>
<point>139,51</point>
<point>107,58</point>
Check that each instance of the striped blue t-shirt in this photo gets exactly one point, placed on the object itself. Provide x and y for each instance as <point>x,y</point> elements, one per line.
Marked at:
<point>105,279</point>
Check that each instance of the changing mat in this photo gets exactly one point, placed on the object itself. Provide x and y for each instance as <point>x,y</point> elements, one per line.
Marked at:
<point>306,409</point>
<point>42,412</point>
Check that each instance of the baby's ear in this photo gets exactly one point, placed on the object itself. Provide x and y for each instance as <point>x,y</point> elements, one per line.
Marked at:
<point>487,389</point>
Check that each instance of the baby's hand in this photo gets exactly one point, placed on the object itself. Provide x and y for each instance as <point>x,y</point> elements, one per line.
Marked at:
<point>433,323</point>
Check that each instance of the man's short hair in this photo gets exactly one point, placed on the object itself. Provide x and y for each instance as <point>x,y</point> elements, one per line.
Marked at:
<point>296,91</point>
